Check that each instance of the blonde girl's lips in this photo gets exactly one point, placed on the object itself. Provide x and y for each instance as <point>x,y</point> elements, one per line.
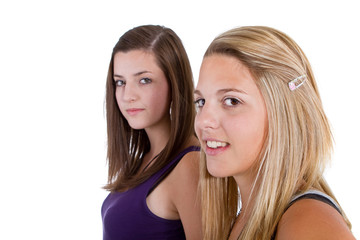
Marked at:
<point>215,147</point>
<point>215,144</point>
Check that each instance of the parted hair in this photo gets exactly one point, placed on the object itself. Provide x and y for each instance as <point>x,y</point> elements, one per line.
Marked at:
<point>298,141</point>
<point>126,146</point>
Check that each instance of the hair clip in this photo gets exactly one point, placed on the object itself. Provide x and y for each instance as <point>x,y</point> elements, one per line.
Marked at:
<point>297,82</point>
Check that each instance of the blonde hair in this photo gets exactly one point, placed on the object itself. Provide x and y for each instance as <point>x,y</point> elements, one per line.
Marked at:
<point>298,144</point>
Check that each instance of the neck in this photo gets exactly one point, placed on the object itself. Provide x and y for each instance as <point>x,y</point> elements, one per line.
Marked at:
<point>158,136</point>
<point>247,191</point>
<point>245,184</point>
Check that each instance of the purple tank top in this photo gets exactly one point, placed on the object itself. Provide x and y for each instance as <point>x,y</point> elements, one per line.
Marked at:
<point>126,215</point>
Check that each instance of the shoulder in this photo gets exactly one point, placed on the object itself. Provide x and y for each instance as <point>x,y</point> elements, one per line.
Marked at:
<point>183,191</point>
<point>312,219</point>
<point>188,165</point>
<point>190,161</point>
<point>187,169</point>
<point>183,180</point>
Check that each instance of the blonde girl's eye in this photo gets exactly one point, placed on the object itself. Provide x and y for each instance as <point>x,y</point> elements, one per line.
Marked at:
<point>119,83</point>
<point>231,102</point>
<point>145,81</point>
<point>199,103</point>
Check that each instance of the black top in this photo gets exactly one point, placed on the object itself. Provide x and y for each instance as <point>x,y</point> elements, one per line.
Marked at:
<point>312,194</point>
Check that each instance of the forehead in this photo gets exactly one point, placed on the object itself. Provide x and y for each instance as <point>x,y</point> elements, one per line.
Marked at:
<point>135,60</point>
<point>222,71</point>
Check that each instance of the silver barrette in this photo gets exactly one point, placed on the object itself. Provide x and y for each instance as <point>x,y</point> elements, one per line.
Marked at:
<point>297,82</point>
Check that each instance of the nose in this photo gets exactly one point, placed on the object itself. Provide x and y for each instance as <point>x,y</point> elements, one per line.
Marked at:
<point>207,118</point>
<point>129,93</point>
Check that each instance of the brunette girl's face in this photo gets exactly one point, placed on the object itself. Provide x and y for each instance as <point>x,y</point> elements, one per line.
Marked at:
<point>142,90</point>
<point>231,120</point>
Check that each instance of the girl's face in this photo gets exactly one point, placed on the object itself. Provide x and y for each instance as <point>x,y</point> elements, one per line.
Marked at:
<point>142,90</point>
<point>231,120</point>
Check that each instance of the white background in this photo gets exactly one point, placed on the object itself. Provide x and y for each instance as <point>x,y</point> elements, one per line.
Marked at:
<point>54,57</point>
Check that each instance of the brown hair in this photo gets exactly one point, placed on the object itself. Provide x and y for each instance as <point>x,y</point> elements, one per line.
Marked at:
<point>127,146</point>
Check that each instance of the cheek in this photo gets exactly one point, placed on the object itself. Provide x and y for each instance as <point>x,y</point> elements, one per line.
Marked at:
<point>249,136</point>
<point>117,98</point>
<point>196,128</point>
<point>161,100</point>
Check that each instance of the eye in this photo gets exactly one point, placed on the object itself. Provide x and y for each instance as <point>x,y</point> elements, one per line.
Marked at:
<point>119,83</point>
<point>145,80</point>
<point>199,103</point>
<point>231,102</point>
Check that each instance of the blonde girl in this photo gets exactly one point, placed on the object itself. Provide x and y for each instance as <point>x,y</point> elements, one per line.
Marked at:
<point>264,136</point>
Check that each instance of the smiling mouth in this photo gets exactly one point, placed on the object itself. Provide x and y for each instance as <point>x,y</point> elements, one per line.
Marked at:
<point>215,144</point>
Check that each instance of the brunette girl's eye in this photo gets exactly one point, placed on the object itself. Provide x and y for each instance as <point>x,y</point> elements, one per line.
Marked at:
<point>145,80</point>
<point>199,103</point>
<point>119,83</point>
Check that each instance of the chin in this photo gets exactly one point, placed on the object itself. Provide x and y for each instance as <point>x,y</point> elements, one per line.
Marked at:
<point>216,171</point>
<point>136,126</point>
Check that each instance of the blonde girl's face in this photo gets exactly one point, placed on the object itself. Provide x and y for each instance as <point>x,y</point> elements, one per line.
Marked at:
<point>231,116</point>
<point>142,90</point>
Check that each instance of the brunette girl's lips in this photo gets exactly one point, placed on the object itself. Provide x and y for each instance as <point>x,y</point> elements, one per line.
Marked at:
<point>134,111</point>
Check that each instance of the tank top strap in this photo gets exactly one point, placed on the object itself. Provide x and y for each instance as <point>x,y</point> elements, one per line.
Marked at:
<point>316,195</point>
<point>162,174</point>
<point>312,194</point>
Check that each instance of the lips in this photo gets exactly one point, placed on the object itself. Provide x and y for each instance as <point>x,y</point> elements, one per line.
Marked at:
<point>215,147</point>
<point>134,111</point>
<point>215,144</point>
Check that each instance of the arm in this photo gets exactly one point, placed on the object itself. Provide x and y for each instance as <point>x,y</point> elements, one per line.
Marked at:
<point>312,219</point>
<point>185,195</point>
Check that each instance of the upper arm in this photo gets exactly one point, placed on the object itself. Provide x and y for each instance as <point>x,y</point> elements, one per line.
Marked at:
<point>185,194</point>
<point>312,219</point>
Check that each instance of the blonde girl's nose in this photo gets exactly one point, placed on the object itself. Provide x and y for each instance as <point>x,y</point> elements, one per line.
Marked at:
<point>207,118</point>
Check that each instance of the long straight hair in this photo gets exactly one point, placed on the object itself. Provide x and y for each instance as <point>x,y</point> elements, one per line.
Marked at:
<point>298,142</point>
<point>126,146</point>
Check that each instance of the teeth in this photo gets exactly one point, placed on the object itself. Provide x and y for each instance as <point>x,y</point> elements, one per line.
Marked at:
<point>214,144</point>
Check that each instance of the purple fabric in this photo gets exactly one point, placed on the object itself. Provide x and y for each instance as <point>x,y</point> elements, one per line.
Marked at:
<point>126,215</point>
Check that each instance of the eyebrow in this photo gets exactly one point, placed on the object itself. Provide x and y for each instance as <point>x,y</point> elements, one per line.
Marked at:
<point>135,75</point>
<point>225,90</point>
<point>197,92</point>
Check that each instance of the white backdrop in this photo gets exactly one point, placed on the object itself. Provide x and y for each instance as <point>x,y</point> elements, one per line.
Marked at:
<point>53,64</point>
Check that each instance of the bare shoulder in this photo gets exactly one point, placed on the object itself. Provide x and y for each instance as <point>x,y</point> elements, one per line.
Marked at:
<point>183,188</point>
<point>312,219</point>
<point>188,167</point>
<point>186,174</point>
<point>189,164</point>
